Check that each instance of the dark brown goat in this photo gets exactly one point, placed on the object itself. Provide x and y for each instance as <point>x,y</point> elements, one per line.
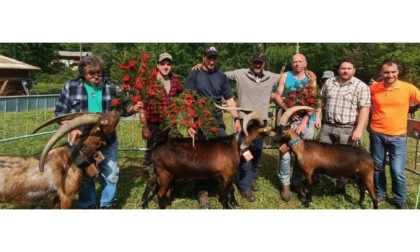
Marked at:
<point>214,158</point>
<point>23,180</point>
<point>338,161</point>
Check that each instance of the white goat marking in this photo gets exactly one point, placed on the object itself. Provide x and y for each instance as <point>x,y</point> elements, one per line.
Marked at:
<point>7,164</point>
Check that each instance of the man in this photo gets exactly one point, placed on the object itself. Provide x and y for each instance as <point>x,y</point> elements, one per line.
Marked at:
<point>212,83</point>
<point>302,124</point>
<point>154,118</point>
<point>90,92</point>
<point>391,99</point>
<point>345,105</point>
<point>254,86</point>
<point>326,75</point>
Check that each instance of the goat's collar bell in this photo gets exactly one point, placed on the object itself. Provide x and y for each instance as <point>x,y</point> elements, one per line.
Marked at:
<point>293,142</point>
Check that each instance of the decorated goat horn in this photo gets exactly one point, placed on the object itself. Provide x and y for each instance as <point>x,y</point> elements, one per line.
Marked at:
<point>232,108</point>
<point>59,119</point>
<point>285,117</point>
<point>85,119</point>
<point>249,117</point>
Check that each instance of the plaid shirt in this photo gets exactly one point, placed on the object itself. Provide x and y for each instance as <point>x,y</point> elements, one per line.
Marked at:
<point>73,97</point>
<point>154,113</point>
<point>341,103</point>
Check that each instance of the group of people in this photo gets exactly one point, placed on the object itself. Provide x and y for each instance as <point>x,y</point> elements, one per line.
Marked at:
<point>347,104</point>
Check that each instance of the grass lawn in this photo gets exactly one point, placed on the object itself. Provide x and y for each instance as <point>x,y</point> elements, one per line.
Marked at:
<point>133,180</point>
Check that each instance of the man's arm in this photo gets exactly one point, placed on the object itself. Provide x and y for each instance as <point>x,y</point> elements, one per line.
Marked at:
<point>231,103</point>
<point>277,98</point>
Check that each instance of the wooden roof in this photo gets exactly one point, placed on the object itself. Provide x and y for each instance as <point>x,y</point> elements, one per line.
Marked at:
<point>9,63</point>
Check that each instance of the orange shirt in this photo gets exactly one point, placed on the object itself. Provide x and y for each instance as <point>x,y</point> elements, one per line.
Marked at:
<point>390,107</point>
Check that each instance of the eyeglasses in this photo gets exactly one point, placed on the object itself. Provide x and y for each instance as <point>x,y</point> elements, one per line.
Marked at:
<point>97,72</point>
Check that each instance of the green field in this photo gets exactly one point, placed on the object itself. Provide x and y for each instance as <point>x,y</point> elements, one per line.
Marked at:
<point>133,179</point>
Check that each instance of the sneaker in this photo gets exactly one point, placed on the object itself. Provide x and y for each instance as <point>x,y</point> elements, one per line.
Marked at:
<point>247,195</point>
<point>285,192</point>
<point>402,205</point>
<point>381,200</point>
<point>254,186</point>
<point>203,199</point>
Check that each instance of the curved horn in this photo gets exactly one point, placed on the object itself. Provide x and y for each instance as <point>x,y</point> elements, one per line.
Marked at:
<point>285,117</point>
<point>59,119</point>
<point>232,108</point>
<point>64,129</point>
<point>249,117</point>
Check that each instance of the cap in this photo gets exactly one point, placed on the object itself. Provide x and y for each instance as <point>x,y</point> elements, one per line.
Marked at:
<point>211,51</point>
<point>163,56</point>
<point>259,56</point>
<point>327,74</point>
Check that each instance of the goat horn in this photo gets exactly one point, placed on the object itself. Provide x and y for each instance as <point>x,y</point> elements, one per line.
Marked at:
<point>59,119</point>
<point>232,108</point>
<point>64,129</point>
<point>249,117</point>
<point>285,117</point>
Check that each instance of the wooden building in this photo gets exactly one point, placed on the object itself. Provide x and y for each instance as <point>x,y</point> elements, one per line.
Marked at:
<point>15,76</point>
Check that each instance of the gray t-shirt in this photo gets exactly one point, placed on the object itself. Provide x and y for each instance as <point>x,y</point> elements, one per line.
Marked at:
<point>254,93</point>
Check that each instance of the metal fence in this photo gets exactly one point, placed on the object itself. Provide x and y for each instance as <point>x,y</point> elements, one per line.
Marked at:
<point>20,115</point>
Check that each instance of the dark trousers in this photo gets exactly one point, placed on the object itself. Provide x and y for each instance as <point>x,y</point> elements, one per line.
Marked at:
<point>248,171</point>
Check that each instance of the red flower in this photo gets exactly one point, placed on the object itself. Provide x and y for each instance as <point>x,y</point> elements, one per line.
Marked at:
<point>116,102</point>
<point>132,63</point>
<point>141,71</point>
<point>151,93</point>
<point>302,102</point>
<point>136,99</point>
<point>213,129</point>
<point>145,57</point>
<point>192,113</point>
<point>207,112</point>
<point>126,78</point>
<point>174,121</point>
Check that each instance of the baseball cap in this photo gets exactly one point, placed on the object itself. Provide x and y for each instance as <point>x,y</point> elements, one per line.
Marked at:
<point>327,74</point>
<point>259,56</point>
<point>163,56</point>
<point>211,51</point>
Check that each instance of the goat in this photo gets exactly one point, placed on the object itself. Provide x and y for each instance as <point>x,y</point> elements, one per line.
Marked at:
<point>23,180</point>
<point>338,161</point>
<point>214,158</point>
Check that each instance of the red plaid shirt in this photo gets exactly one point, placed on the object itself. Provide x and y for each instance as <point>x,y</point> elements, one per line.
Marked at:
<point>154,113</point>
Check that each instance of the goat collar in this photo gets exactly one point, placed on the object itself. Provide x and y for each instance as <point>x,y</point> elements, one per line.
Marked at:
<point>293,142</point>
<point>241,142</point>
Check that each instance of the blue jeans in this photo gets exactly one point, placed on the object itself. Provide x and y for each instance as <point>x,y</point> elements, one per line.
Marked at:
<point>396,146</point>
<point>248,171</point>
<point>283,171</point>
<point>108,177</point>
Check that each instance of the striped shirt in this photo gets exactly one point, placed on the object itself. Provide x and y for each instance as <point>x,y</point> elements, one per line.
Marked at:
<point>341,103</point>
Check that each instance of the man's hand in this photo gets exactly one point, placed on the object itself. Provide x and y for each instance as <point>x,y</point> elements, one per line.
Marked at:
<point>192,132</point>
<point>197,67</point>
<point>145,133</point>
<point>74,135</point>
<point>310,75</point>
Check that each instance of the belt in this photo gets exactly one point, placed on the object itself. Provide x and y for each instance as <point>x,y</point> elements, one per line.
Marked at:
<point>341,125</point>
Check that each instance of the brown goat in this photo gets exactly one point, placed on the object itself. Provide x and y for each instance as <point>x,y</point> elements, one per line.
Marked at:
<point>214,158</point>
<point>338,161</point>
<point>23,180</point>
